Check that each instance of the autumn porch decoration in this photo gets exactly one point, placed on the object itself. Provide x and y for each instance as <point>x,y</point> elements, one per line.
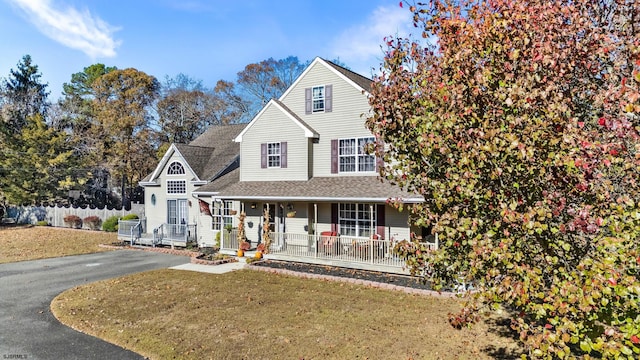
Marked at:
<point>266,234</point>
<point>243,244</point>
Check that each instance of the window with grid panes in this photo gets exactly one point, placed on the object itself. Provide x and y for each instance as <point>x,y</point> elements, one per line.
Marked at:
<point>355,219</point>
<point>353,156</point>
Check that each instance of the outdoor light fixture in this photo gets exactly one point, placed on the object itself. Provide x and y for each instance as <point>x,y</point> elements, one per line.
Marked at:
<point>153,199</point>
<point>253,205</point>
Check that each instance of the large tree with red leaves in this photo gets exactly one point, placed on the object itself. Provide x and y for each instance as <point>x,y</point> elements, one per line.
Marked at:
<point>519,121</point>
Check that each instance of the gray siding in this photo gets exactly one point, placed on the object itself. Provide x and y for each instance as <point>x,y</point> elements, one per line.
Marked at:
<point>346,120</point>
<point>274,126</point>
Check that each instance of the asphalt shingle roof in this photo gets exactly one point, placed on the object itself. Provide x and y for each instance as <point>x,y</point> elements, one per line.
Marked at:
<point>360,80</point>
<point>318,189</point>
<point>211,152</point>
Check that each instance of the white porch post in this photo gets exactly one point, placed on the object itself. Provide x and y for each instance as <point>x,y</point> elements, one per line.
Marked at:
<point>315,227</point>
<point>373,233</point>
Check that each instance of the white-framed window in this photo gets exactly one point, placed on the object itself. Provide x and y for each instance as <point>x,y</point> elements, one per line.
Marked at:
<point>175,168</point>
<point>227,217</point>
<point>353,157</point>
<point>223,217</point>
<point>273,155</point>
<point>317,98</point>
<point>357,219</point>
<point>176,186</point>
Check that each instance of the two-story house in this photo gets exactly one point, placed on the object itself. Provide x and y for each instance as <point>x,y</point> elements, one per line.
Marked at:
<point>173,215</point>
<point>303,158</point>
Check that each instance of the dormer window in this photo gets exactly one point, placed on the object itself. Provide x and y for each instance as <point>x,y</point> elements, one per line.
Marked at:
<point>175,169</point>
<point>318,98</point>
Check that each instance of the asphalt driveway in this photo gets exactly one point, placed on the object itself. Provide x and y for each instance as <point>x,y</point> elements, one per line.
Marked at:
<point>28,330</point>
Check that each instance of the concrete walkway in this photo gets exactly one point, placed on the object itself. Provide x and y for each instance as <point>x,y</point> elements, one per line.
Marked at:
<point>212,269</point>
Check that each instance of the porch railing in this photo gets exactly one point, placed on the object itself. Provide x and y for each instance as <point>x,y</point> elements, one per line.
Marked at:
<point>174,234</point>
<point>131,229</point>
<point>345,250</point>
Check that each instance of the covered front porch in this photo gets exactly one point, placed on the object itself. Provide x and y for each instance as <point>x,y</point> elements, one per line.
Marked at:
<point>341,220</point>
<point>328,249</point>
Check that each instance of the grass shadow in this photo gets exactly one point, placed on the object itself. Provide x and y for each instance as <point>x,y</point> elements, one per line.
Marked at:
<point>500,325</point>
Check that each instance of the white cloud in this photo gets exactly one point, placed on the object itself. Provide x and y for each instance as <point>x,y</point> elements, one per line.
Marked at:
<point>70,27</point>
<point>359,46</point>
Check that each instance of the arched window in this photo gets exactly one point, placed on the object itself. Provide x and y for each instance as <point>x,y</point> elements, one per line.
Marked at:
<point>175,169</point>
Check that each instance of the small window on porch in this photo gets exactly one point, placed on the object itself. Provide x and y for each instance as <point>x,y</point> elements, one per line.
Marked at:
<point>223,216</point>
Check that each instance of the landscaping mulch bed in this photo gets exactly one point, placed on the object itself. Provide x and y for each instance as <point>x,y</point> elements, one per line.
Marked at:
<point>375,276</point>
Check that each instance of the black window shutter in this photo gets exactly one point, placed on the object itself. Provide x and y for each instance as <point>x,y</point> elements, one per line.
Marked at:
<point>283,154</point>
<point>328,98</point>
<point>334,156</point>
<point>307,101</point>
<point>380,225</point>
<point>334,218</point>
<point>263,156</point>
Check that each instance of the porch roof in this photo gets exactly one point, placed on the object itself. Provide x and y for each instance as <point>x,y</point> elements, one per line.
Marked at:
<point>337,188</point>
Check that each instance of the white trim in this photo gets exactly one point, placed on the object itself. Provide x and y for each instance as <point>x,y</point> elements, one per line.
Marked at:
<point>165,159</point>
<point>186,190</point>
<point>309,133</point>
<point>198,182</point>
<point>198,194</point>
<point>278,155</point>
<point>356,155</point>
<point>148,183</point>
<point>323,62</point>
<point>171,163</point>
<point>319,199</point>
<point>324,99</point>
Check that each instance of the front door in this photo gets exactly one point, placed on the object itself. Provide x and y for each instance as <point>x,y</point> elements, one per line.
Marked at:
<point>177,214</point>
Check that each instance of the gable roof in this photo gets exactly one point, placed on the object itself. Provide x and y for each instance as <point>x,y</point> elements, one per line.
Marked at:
<point>206,156</point>
<point>358,81</point>
<point>308,131</point>
<point>361,81</point>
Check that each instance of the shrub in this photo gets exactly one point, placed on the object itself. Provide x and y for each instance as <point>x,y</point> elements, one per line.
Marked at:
<point>73,221</point>
<point>111,224</point>
<point>130,217</point>
<point>93,222</point>
<point>42,223</point>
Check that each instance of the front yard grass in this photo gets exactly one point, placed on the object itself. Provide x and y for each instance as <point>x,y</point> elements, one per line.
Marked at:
<point>30,243</point>
<point>168,314</point>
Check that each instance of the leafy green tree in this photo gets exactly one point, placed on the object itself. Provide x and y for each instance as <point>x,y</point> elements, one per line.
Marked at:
<point>122,102</point>
<point>519,121</point>
<point>77,112</point>
<point>38,166</point>
<point>22,95</point>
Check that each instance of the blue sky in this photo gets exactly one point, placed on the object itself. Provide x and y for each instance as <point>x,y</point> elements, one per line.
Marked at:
<point>207,40</point>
